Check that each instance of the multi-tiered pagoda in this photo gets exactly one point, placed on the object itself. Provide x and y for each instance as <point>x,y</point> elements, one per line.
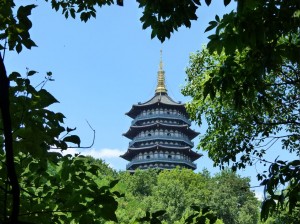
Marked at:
<point>160,133</point>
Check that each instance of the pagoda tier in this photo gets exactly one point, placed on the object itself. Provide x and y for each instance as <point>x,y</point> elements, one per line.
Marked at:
<point>160,133</point>
<point>160,129</point>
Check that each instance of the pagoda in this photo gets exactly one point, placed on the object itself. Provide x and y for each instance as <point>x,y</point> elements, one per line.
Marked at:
<point>160,132</point>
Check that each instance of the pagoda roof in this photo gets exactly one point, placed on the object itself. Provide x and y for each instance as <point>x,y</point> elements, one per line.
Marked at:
<point>159,98</point>
<point>131,152</point>
<point>132,132</point>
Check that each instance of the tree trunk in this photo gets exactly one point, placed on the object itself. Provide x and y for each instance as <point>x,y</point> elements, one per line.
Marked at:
<point>11,171</point>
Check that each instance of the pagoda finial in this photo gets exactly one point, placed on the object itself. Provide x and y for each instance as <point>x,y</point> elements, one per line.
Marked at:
<point>161,88</point>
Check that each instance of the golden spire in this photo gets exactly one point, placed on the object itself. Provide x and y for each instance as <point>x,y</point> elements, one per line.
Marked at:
<point>161,88</point>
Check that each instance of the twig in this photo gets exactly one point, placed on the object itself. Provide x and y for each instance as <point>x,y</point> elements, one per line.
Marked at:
<point>82,147</point>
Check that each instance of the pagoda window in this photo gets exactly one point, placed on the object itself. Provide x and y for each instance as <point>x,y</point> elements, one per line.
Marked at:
<point>168,134</point>
<point>147,157</point>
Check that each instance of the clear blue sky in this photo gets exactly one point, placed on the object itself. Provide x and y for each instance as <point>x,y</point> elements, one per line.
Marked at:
<point>104,66</point>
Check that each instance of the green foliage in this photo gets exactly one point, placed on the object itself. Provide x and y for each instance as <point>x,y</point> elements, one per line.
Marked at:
<point>166,16</point>
<point>36,129</point>
<point>204,216</point>
<point>163,17</point>
<point>152,218</point>
<point>142,184</point>
<point>246,116</point>
<point>53,188</point>
<point>86,9</point>
<point>246,86</point>
<point>66,192</point>
<point>184,196</point>
<point>15,29</point>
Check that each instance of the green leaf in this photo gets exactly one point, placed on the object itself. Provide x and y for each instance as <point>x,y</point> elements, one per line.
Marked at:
<point>207,2</point>
<point>267,206</point>
<point>45,98</point>
<point>70,129</point>
<point>28,43</point>
<point>158,213</point>
<point>25,10</point>
<point>14,75</point>
<point>73,139</point>
<point>30,73</point>
<point>72,13</point>
<point>113,183</point>
<point>226,2</point>
<point>19,47</point>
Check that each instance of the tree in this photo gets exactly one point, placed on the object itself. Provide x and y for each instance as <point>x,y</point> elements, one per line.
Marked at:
<point>185,197</point>
<point>52,187</point>
<point>41,131</point>
<point>232,199</point>
<point>246,86</point>
<point>266,33</point>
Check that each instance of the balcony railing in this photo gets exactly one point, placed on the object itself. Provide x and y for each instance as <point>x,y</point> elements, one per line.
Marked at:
<point>159,160</point>
<point>161,137</point>
<point>167,116</point>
